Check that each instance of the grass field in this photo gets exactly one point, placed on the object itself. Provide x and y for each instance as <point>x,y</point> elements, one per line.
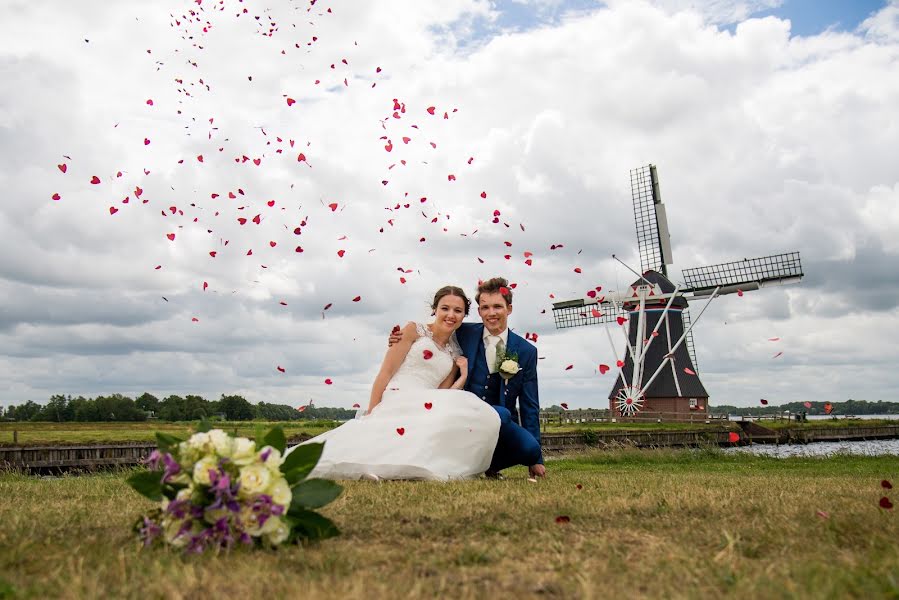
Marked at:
<point>81,433</point>
<point>76,433</point>
<point>679,524</point>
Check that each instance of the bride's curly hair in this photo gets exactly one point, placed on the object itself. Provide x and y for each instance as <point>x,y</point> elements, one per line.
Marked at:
<point>450,290</point>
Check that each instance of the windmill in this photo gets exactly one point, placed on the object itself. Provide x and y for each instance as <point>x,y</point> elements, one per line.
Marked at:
<point>657,370</point>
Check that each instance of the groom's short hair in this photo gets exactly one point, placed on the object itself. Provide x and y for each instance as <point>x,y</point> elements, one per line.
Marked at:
<point>497,285</point>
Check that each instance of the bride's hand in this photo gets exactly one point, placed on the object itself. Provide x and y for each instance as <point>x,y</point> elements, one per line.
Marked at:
<point>462,363</point>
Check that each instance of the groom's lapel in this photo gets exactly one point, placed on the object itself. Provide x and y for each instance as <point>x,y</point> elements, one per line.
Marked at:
<point>476,338</point>
<point>511,348</point>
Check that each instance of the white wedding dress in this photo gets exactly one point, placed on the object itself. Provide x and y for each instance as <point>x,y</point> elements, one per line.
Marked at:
<point>417,431</point>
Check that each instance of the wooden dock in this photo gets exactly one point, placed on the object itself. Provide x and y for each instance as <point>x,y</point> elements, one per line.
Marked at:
<point>126,454</point>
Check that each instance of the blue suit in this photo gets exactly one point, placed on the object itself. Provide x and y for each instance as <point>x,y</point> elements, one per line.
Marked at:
<point>516,400</point>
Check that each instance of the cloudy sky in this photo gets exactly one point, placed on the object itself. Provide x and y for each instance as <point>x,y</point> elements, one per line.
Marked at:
<point>774,125</point>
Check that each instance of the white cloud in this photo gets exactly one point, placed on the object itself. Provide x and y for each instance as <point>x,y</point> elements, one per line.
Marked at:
<point>765,143</point>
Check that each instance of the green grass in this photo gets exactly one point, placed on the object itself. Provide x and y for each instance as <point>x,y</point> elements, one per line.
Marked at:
<point>679,524</point>
<point>31,434</point>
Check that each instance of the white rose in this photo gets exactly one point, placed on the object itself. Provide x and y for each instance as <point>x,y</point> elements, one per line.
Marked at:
<point>275,530</point>
<point>222,443</point>
<point>212,515</point>
<point>200,441</point>
<point>254,479</point>
<point>185,493</point>
<point>273,460</point>
<point>280,492</point>
<point>201,469</point>
<point>509,366</point>
<point>187,455</point>
<point>244,452</point>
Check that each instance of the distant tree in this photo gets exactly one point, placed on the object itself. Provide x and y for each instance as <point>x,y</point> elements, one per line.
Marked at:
<point>147,402</point>
<point>195,407</point>
<point>172,409</point>
<point>84,409</point>
<point>236,408</point>
<point>27,411</point>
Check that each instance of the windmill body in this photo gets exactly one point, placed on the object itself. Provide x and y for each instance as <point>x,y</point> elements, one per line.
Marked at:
<point>658,370</point>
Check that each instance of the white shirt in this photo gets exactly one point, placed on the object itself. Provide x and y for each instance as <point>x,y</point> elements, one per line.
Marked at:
<point>490,343</point>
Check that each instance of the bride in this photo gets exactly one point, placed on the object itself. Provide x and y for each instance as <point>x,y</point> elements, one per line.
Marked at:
<point>420,423</point>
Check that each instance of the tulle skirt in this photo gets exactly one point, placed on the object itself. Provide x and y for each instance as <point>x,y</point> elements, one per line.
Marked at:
<point>413,434</point>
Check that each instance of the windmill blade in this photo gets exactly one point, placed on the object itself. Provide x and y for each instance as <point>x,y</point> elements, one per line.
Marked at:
<point>689,341</point>
<point>577,313</point>
<point>653,239</point>
<point>744,275</point>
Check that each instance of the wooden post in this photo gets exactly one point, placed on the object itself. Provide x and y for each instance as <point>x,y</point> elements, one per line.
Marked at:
<point>15,436</point>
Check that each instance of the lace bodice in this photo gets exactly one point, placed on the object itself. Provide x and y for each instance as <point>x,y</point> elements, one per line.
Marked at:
<point>427,363</point>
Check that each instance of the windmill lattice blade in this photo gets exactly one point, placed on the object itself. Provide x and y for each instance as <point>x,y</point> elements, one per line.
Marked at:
<point>649,217</point>
<point>689,341</point>
<point>576,313</point>
<point>777,268</point>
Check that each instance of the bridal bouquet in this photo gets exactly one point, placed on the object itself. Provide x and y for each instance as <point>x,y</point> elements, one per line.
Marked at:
<point>216,491</point>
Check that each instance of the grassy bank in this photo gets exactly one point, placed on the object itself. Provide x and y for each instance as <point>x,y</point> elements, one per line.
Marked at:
<point>652,523</point>
<point>32,434</point>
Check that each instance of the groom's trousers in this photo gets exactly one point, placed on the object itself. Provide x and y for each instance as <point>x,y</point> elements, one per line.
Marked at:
<point>515,446</point>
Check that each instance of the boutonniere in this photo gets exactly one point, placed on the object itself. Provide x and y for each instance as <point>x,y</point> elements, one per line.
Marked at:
<point>506,364</point>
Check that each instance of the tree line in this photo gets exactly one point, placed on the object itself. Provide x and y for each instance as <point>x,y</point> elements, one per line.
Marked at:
<point>117,407</point>
<point>849,407</point>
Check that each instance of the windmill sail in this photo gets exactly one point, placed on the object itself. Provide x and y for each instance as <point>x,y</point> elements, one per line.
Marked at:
<point>653,239</point>
<point>575,313</point>
<point>691,349</point>
<point>746,274</point>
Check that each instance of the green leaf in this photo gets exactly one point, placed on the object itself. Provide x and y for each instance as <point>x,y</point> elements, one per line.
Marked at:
<point>311,525</point>
<point>300,462</point>
<point>314,493</point>
<point>147,483</point>
<point>275,438</point>
<point>203,426</point>
<point>259,435</point>
<point>166,442</point>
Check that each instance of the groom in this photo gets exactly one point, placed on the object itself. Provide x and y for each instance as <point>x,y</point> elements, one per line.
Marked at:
<point>485,346</point>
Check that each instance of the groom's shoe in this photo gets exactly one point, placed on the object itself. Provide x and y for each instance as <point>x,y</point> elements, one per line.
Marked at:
<point>494,475</point>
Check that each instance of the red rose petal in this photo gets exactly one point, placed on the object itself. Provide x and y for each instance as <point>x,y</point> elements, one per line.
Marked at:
<point>357,298</point>
<point>603,369</point>
<point>95,180</point>
<point>577,269</point>
<point>171,236</point>
<point>886,485</point>
<point>428,405</point>
<point>401,430</point>
<point>562,519</point>
<point>291,102</point>
<point>280,368</point>
<point>273,244</point>
<point>431,110</point>
<point>596,314</point>
<point>621,320</point>
<point>885,503</point>
<point>328,381</point>
<point>689,371</point>
<point>807,404</point>
<point>213,253</point>
<point>564,405</point>
<point>56,196</point>
<point>113,210</point>
<point>569,367</point>
<point>733,437</point>
<point>427,354</point>
<point>63,167</point>
<point>356,406</point>
<point>764,402</point>
<point>340,253</point>
<point>619,363</point>
<point>205,285</point>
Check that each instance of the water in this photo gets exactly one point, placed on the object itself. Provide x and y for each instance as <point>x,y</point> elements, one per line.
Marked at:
<point>820,417</point>
<point>865,448</point>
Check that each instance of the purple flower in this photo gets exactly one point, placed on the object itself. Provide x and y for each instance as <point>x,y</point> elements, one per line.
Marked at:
<point>153,460</point>
<point>265,454</point>
<point>172,467</point>
<point>149,531</point>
